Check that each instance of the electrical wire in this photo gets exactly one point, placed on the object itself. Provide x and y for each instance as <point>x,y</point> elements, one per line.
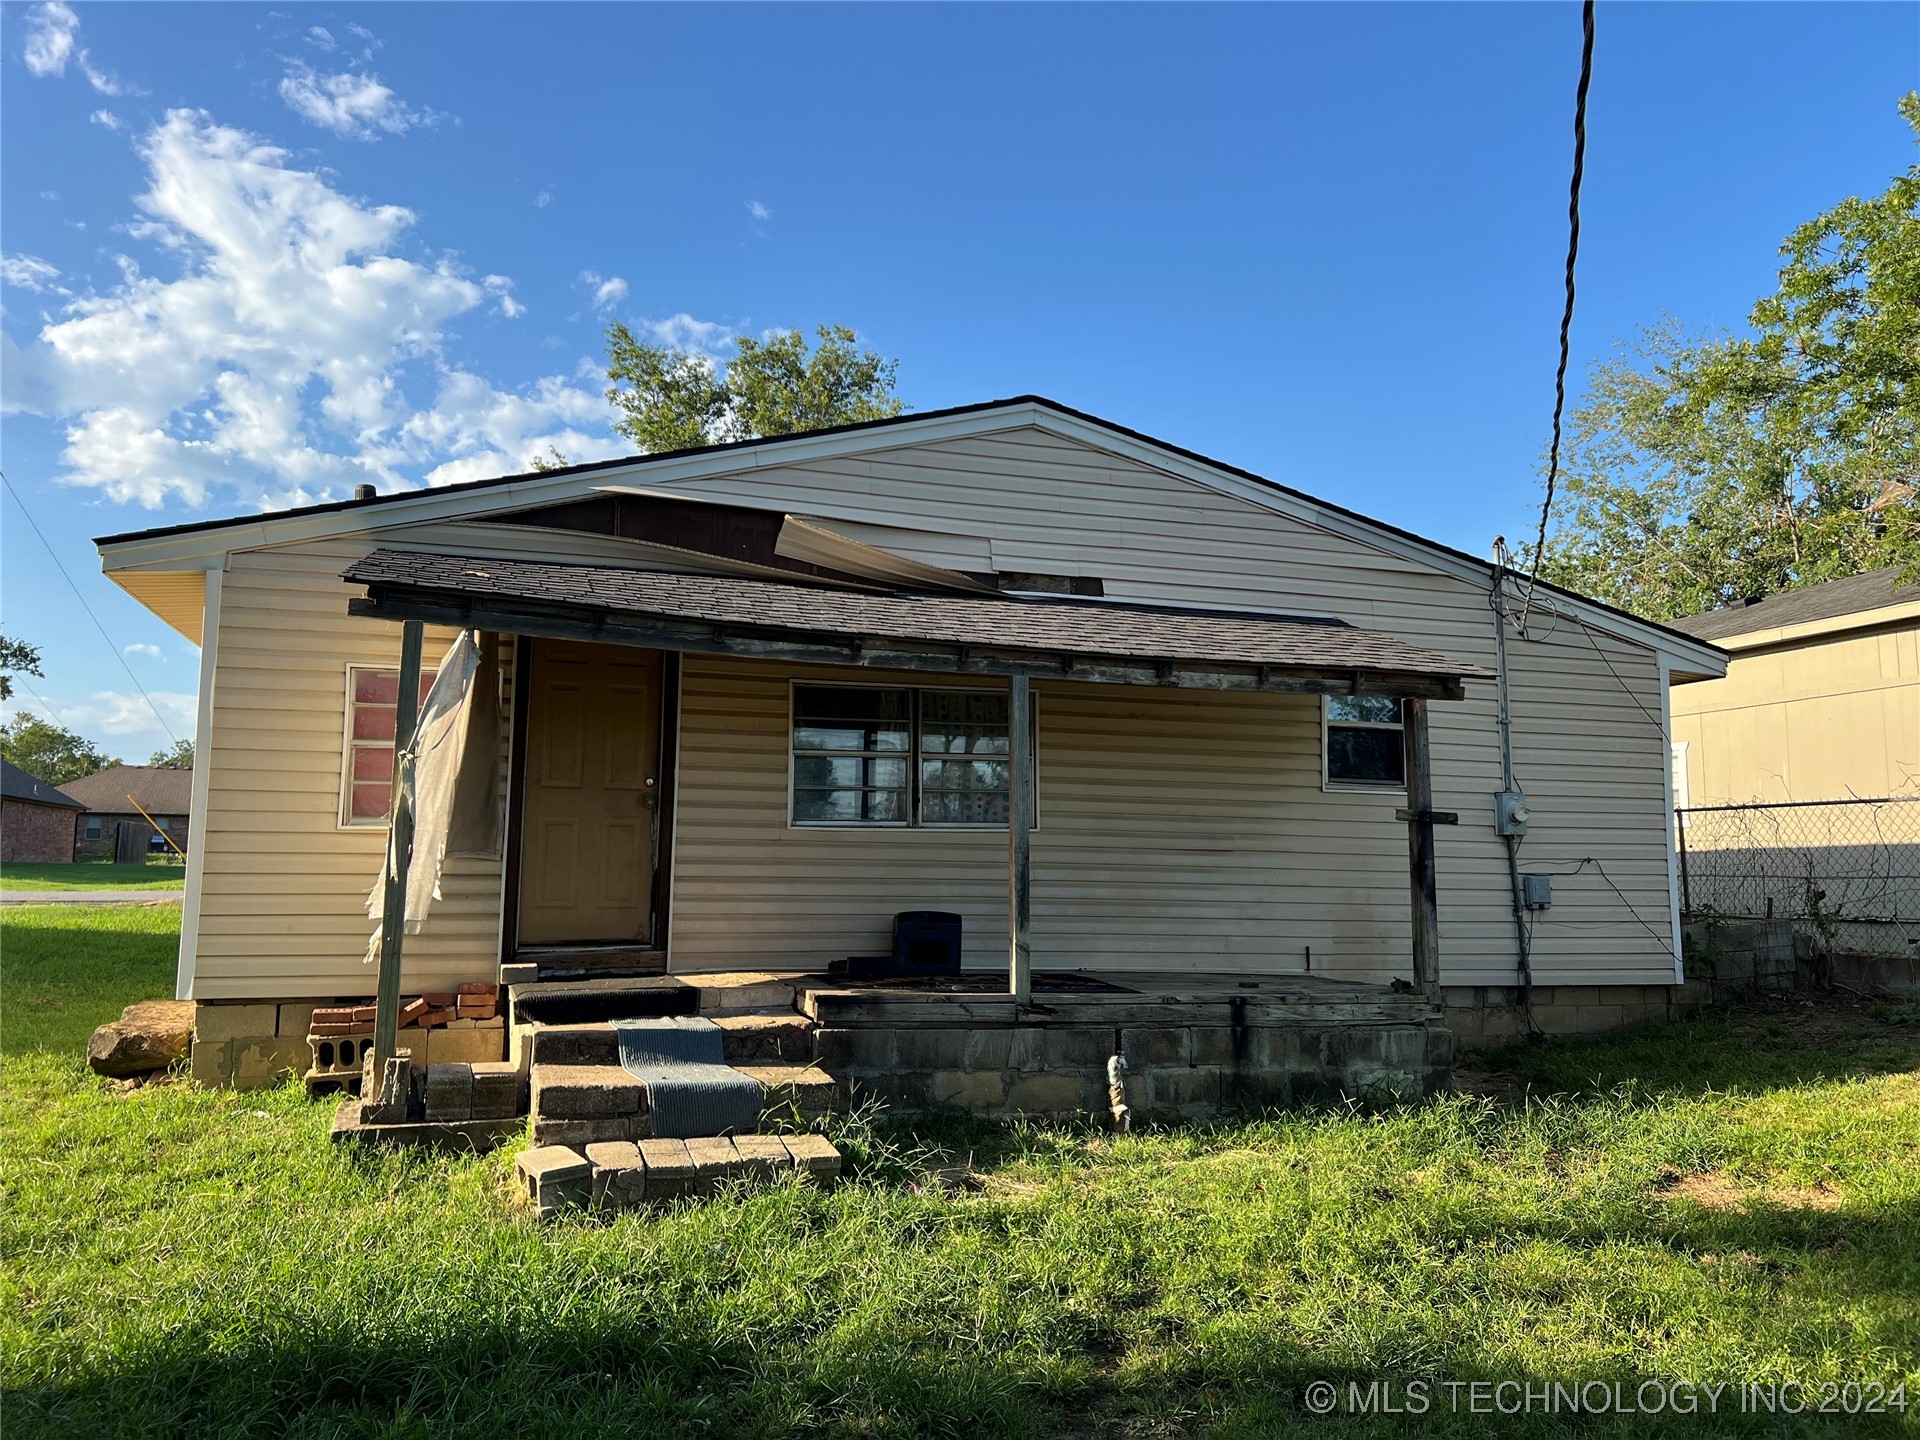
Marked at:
<point>1566,315</point>
<point>118,654</point>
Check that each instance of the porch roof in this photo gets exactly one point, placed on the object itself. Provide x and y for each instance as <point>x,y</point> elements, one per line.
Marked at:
<point>1123,644</point>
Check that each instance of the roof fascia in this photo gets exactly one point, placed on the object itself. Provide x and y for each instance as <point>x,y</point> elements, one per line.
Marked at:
<point>1819,629</point>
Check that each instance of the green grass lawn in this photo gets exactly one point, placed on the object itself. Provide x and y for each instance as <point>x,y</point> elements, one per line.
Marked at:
<point>94,875</point>
<point>1716,1201</point>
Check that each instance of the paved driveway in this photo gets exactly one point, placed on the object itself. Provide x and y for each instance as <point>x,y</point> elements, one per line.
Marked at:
<point>90,897</point>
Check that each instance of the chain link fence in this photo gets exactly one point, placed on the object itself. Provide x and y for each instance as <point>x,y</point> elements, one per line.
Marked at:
<point>1848,870</point>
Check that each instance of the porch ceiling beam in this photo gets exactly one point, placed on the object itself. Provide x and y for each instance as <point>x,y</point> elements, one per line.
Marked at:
<point>878,652</point>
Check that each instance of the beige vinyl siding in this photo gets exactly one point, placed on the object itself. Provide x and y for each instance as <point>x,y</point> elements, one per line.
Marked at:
<point>1588,746</point>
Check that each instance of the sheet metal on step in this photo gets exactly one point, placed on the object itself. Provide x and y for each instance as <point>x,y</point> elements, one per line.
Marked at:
<point>691,1090</point>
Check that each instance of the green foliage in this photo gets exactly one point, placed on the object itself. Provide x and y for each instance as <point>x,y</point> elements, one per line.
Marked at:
<point>17,657</point>
<point>178,756</point>
<point>674,399</point>
<point>50,752</point>
<point>1705,470</point>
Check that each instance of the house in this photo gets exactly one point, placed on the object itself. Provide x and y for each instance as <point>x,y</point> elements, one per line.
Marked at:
<point>36,820</point>
<point>119,794</point>
<point>1798,773</point>
<point>1821,699</point>
<point>755,700</point>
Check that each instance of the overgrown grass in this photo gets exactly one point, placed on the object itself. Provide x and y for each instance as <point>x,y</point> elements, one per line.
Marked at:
<point>193,1262</point>
<point>155,874</point>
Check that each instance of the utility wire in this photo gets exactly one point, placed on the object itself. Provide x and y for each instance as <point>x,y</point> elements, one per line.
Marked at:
<point>1566,315</point>
<point>117,653</point>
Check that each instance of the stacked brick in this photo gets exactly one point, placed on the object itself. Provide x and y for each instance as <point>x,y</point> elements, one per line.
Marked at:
<point>620,1174</point>
<point>444,1027</point>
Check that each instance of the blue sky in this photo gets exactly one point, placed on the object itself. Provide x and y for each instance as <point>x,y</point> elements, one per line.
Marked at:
<point>256,254</point>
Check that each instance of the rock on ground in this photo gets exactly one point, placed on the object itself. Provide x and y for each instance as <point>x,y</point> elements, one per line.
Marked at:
<point>149,1035</point>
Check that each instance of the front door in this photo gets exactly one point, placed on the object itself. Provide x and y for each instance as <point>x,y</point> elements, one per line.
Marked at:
<point>592,782</point>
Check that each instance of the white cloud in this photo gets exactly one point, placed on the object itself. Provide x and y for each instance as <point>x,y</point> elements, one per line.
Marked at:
<point>758,211</point>
<point>607,292</point>
<point>50,39</point>
<point>151,652</point>
<point>29,272</point>
<point>683,332</point>
<point>543,199</point>
<point>356,107</point>
<point>276,368</point>
<point>106,84</point>
<point>320,38</point>
<point>108,119</point>
<point>49,194</point>
<point>118,713</point>
<point>501,288</point>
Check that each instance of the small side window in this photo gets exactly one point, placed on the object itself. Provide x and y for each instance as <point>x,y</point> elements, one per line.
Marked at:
<point>93,827</point>
<point>1365,743</point>
<point>366,786</point>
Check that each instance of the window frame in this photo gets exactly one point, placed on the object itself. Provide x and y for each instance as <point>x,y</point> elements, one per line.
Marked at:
<point>1328,782</point>
<point>93,827</point>
<point>913,756</point>
<point>343,811</point>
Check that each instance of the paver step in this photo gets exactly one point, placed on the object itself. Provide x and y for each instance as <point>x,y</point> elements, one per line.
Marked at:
<point>617,1174</point>
<point>756,1037</point>
<point>581,1105</point>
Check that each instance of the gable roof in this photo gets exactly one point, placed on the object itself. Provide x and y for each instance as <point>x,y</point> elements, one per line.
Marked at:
<point>160,791</point>
<point>523,491</point>
<point>18,784</point>
<point>1830,600</point>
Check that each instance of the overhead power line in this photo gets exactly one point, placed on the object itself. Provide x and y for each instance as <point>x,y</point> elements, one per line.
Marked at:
<point>1566,315</point>
<point>118,654</point>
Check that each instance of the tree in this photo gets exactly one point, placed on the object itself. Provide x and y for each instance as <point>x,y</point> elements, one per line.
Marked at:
<point>177,757</point>
<point>17,657</point>
<point>1701,471</point>
<point>50,752</point>
<point>674,399</point>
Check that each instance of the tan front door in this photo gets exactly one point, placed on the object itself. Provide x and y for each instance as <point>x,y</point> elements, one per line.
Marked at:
<point>587,818</point>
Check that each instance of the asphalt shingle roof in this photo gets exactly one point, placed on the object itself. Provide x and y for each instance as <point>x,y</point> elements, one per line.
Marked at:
<point>1827,601</point>
<point>160,791</point>
<point>18,784</point>
<point>1116,632</point>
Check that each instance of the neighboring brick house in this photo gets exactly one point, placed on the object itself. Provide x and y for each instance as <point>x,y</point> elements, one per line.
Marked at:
<point>164,794</point>
<point>36,820</point>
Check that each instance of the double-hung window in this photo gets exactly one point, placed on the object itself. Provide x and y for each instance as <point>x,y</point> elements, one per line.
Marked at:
<point>1365,742</point>
<point>366,783</point>
<point>904,756</point>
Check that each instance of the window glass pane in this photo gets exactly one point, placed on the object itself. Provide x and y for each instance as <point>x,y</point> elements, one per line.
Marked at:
<point>1373,709</point>
<point>963,775</point>
<point>369,802</point>
<point>848,806</point>
<point>965,740</point>
<point>372,762</point>
<point>953,808</point>
<point>373,722</point>
<point>962,707</point>
<point>833,772</point>
<point>1368,757</point>
<point>376,687</point>
<point>845,717</point>
<point>809,736</point>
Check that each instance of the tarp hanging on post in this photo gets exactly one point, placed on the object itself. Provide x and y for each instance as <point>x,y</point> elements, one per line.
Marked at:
<point>428,772</point>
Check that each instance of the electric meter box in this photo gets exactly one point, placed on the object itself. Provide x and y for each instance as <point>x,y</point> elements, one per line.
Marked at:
<point>1510,813</point>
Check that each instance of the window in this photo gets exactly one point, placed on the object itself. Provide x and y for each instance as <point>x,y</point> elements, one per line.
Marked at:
<point>899,756</point>
<point>366,786</point>
<point>93,827</point>
<point>1365,743</point>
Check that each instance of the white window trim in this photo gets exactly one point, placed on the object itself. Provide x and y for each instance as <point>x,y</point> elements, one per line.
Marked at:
<point>1356,787</point>
<point>914,824</point>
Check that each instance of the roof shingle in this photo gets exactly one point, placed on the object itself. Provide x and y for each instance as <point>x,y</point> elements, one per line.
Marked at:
<point>159,790</point>
<point>1827,601</point>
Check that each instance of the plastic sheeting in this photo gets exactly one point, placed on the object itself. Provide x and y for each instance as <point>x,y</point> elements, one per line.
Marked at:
<point>432,774</point>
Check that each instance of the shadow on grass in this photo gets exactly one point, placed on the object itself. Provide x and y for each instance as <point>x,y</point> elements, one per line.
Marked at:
<point>71,968</point>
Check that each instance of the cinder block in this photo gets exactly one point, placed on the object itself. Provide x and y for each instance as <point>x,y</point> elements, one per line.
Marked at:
<point>464,1047</point>
<point>581,1133</point>
<point>498,1090</point>
<point>762,1039</point>
<point>261,1061</point>
<point>814,1157</point>
<point>210,1062</point>
<point>987,1049</point>
<point>575,1045</point>
<point>970,1089</point>
<point>1594,1019</point>
<point>295,1020</point>
<point>585,1092</point>
<point>930,1049</point>
<point>1404,1047</point>
<point>215,1021</point>
<point>1184,1090</point>
<point>1049,1094</point>
<point>670,1171</point>
<point>1076,1047</point>
<point>555,1177</point>
<point>449,1092</point>
<point>1279,1050</point>
<point>619,1174</point>
<point>855,1051</point>
<point>1148,1046</point>
<point>1228,1046</point>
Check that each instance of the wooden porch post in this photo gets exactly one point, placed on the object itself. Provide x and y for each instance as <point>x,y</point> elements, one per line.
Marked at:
<point>1019,824</point>
<point>393,915</point>
<point>1420,818</point>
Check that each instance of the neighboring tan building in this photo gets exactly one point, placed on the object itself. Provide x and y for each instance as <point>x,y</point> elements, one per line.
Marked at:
<point>1821,700</point>
<point>751,701</point>
<point>118,794</point>
<point>36,820</point>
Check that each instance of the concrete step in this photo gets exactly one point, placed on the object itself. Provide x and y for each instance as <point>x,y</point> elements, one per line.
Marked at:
<point>581,1105</point>
<point>750,1038</point>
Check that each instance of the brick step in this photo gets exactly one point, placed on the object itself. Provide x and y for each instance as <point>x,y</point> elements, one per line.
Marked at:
<point>746,1038</point>
<point>581,1105</point>
<point>619,1174</point>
